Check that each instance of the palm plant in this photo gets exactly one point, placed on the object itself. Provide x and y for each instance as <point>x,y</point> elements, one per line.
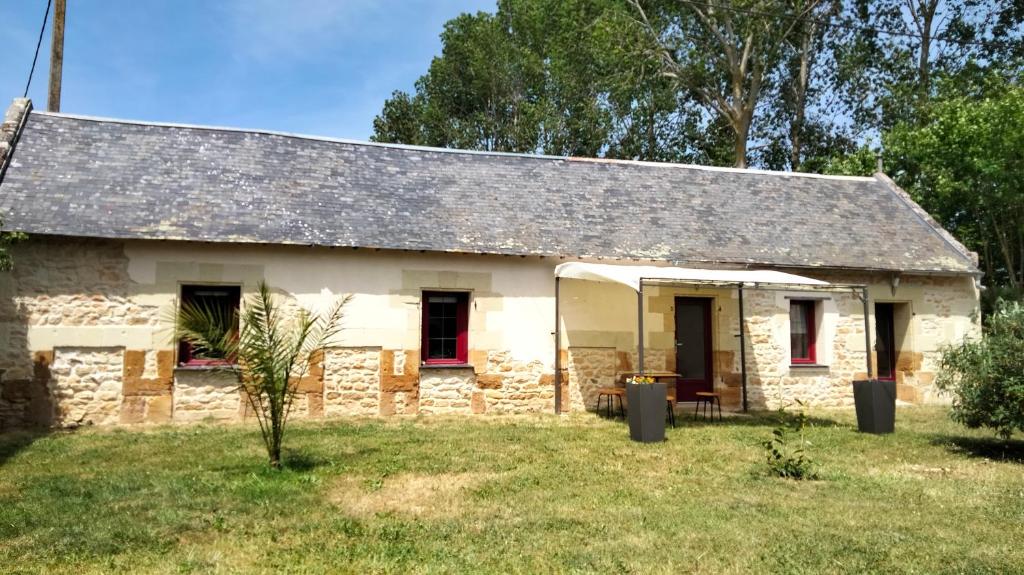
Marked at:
<point>268,351</point>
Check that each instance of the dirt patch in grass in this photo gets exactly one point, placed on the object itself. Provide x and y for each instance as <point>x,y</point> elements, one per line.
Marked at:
<point>419,495</point>
<point>952,470</point>
<point>9,490</point>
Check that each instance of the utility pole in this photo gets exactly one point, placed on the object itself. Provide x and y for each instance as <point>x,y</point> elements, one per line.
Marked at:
<point>56,57</point>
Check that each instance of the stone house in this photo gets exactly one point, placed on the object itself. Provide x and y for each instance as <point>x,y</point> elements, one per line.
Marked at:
<point>451,259</point>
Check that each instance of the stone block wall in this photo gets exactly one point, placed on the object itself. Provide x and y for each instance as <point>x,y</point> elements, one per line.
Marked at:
<point>84,338</point>
<point>201,395</point>
<point>352,381</point>
<point>446,391</point>
<point>86,385</point>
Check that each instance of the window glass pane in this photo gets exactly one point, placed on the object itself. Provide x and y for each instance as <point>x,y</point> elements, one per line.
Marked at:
<point>799,338</point>
<point>220,303</point>
<point>799,345</point>
<point>442,326</point>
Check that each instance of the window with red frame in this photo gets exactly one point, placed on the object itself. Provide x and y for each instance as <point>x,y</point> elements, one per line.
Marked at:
<point>801,332</point>
<point>445,327</point>
<point>221,302</point>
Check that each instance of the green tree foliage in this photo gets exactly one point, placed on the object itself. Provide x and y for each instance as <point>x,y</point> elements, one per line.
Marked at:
<point>887,78</point>
<point>729,57</point>
<point>965,164</point>
<point>8,239</point>
<point>552,76</point>
<point>986,376</point>
<point>268,353</point>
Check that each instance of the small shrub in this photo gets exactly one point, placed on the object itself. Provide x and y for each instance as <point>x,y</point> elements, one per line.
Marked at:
<point>986,376</point>
<point>785,453</point>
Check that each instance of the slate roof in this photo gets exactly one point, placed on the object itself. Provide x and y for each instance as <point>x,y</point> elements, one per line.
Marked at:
<point>90,177</point>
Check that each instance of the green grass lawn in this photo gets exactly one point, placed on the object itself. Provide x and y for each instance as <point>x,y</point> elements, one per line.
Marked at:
<point>517,495</point>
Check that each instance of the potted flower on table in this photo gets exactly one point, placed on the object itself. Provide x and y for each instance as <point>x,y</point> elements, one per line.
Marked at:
<point>646,414</point>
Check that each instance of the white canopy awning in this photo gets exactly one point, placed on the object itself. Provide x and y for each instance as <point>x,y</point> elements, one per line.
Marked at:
<point>632,275</point>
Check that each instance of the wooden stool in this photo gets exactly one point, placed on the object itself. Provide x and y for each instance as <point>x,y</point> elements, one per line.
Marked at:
<point>708,397</point>
<point>611,393</point>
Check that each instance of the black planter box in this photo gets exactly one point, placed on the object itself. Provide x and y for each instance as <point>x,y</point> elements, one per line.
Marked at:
<point>646,411</point>
<point>876,405</point>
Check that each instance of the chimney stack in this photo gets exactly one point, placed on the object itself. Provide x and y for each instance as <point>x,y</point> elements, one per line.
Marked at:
<point>14,119</point>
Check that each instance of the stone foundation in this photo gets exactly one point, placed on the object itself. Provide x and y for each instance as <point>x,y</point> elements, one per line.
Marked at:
<point>206,395</point>
<point>86,385</point>
<point>351,381</point>
<point>447,391</point>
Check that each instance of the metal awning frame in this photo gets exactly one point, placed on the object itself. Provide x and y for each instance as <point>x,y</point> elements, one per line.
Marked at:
<point>859,290</point>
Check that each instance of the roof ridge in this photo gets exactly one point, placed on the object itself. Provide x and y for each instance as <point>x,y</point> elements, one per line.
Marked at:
<point>416,148</point>
<point>927,219</point>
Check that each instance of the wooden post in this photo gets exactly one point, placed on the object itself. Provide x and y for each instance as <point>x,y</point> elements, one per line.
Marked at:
<point>56,57</point>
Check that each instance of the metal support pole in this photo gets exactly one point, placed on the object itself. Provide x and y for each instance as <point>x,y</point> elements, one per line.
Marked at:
<point>640,327</point>
<point>558,352</point>
<point>867,332</point>
<point>743,351</point>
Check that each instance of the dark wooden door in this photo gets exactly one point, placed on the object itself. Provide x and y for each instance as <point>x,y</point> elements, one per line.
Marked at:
<point>693,347</point>
<point>885,341</point>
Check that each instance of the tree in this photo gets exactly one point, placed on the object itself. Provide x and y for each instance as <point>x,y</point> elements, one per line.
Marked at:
<point>888,52</point>
<point>725,54</point>
<point>268,353</point>
<point>553,76</point>
<point>986,376</point>
<point>965,164</point>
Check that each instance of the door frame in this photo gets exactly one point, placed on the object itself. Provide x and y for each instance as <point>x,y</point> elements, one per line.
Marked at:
<point>708,383</point>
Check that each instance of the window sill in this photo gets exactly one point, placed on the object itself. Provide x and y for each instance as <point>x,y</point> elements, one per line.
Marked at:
<point>446,366</point>
<point>807,366</point>
<point>208,367</point>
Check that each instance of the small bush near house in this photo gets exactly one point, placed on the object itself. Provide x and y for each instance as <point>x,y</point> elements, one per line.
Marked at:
<point>785,453</point>
<point>986,375</point>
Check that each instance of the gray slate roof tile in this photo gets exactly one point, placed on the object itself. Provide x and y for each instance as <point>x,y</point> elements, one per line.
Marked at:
<point>114,179</point>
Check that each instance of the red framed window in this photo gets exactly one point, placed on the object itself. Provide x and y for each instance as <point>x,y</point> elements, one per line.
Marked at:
<point>223,302</point>
<point>802,342</point>
<point>445,327</point>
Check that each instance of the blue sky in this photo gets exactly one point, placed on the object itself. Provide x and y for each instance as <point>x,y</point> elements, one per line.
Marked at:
<point>307,66</point>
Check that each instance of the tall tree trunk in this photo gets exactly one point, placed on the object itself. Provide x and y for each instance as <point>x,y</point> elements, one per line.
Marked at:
<point>741,137</point>
<point>800,86</point>
<point>1004,248</point>
<point>923,13</point>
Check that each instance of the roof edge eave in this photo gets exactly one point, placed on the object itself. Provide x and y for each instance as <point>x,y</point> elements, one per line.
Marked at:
<point>721,264</point>
<point>930,223</point>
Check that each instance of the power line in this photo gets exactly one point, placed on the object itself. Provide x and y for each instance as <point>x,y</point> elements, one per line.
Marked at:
<point>834,24</point>
<point>39,43</point>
